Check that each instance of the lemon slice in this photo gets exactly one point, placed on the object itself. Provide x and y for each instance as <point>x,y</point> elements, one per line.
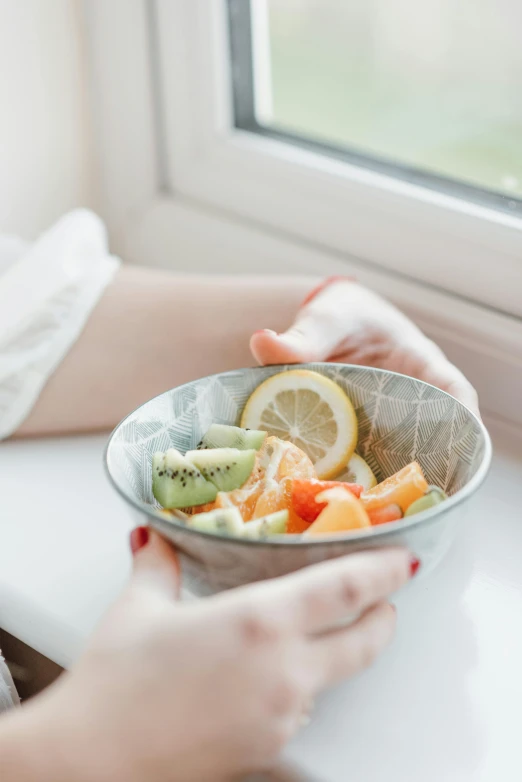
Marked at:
<point>357,471</point>
<point>309,410</point>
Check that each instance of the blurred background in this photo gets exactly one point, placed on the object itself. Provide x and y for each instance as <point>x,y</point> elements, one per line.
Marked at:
<point>433,85</point>
<point>46,146</point>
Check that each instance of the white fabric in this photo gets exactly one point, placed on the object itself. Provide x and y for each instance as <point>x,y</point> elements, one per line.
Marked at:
<point>47,292</point>
<point>8,694</point>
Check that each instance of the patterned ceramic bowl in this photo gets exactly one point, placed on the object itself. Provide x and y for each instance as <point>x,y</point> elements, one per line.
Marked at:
<point>400,419</point>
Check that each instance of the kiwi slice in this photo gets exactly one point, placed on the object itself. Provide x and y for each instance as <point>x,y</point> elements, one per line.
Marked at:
<point>223,436</point>
<point>222,521</point>
<point>434,496</point>
<point>226,468</point>
<point>273,524</point>
<point>176,483</point>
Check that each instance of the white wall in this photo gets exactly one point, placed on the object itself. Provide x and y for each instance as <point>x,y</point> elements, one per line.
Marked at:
<point>45,141</point>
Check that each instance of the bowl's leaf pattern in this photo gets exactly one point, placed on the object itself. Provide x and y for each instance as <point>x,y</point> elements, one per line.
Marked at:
<point>400,419</point>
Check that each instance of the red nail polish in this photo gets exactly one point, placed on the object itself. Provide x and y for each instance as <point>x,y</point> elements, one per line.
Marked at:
<point>414,566</point>
<point>139,537</point>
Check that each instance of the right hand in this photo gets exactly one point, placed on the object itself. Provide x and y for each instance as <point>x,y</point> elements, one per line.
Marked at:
<point>212,689</point>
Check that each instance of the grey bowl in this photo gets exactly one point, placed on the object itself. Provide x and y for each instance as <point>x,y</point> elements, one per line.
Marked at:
<point>400,419</point>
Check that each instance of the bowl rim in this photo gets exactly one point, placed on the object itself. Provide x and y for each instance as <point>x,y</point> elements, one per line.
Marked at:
<point>382,530</point>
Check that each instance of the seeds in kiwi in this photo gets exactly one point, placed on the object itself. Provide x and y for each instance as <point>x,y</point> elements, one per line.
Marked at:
<point>264,527</point>
<point>223,436</point>
<point>176,483</point>
<point>222,521</point>
<point>226,468</point>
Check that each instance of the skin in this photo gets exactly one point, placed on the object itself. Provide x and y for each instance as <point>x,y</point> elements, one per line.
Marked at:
<point>153,330</point>
<point>136,706</point>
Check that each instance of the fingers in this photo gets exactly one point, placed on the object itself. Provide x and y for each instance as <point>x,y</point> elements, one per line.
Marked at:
<point>343,653</point>
<point>330,592</point>
<point>441,373</point>
<point>454,382</point>
<point>318,330</point>
<point>306,340</point>
<point>155,564</point>
<point>315,599</point>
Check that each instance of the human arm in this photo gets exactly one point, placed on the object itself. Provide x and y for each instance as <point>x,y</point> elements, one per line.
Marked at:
<point>190,691</point>
<point>153,330</point>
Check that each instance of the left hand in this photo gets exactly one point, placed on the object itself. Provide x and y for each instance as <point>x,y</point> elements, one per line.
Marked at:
<point>348,323</point>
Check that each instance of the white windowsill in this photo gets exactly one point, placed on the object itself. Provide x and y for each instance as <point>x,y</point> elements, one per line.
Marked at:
<point>442,704</point>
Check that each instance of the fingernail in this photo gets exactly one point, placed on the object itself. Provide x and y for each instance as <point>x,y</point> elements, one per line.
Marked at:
<point>139,537</point>
<point>265,331</point>
<point>414,566</point>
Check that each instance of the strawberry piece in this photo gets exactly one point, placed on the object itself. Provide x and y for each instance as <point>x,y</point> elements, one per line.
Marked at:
<point>305,492</point>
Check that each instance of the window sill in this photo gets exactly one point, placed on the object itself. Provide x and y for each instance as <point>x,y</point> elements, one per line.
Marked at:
<point>182,235</point>
<point>467,683</point>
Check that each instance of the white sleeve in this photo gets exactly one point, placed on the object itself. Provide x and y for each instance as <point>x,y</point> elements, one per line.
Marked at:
<point>47,292</point>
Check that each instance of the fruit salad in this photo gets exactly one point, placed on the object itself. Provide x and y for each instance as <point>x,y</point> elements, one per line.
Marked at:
<point>290,468</point>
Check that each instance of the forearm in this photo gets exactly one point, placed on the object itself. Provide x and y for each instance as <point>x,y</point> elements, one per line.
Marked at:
<point>29,751</point>
<point>153,330</point>
<point>52,739</point>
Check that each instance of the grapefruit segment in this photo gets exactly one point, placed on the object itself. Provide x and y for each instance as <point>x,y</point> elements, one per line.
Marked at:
<point>304,496</point>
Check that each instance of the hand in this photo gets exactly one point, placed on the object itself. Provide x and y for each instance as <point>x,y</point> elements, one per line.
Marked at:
<point>350,324</point>
<point>213,689</point>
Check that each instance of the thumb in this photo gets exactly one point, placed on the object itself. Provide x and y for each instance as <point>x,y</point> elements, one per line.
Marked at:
<point>155,564</point>
<point>311,338</point>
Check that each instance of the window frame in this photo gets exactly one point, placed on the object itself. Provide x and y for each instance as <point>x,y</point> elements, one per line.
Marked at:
<point>181,188</point>
<point>331,203</point>
<point>250,76</point>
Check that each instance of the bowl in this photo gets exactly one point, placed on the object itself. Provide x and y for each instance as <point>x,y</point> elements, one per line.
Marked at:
<point>400,419</point>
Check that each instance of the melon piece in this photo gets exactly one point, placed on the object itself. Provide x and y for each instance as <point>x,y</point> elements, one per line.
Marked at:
<point>343,513</point>
<point>304,494</point>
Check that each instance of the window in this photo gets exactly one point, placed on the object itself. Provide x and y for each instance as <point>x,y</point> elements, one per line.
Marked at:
<point>383,136</point>
<point>429,92</point>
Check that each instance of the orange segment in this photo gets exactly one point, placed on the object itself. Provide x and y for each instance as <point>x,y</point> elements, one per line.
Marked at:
<point>282,461</point>
<point>403,488</point>
<point>243,499</point>
<point>343,513</point>
<point>295,525</point>
<point>268,489</point>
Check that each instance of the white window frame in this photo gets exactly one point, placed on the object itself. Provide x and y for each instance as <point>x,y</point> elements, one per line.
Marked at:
<point>183,188</point>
